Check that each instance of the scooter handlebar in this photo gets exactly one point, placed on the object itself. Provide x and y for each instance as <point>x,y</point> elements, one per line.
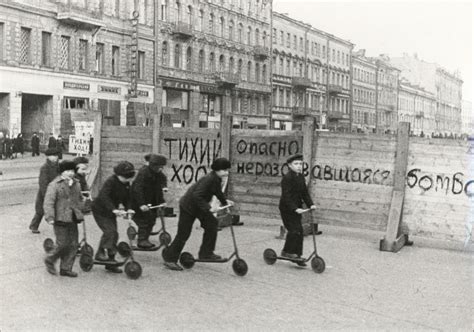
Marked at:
<point>156,206</point>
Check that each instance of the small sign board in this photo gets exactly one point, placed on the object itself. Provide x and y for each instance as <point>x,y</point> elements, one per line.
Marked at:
<point>78,145</point>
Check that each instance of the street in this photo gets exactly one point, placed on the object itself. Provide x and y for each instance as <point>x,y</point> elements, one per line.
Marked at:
<point>362,288</point>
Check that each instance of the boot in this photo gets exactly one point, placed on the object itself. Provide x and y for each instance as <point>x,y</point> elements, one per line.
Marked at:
<point>100,255</point>
<point>315,230</point>
<point>145,244</point>
<point>112,258</point>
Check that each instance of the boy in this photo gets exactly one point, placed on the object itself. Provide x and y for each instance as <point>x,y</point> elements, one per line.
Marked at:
<point>114,191</point>
<point>48,172</point>
<point>35,144</point>
<point>62,209</point>
<point>161,175</point>
<point>196,204</point>
<point>147,189</point>
<point>293,193</point>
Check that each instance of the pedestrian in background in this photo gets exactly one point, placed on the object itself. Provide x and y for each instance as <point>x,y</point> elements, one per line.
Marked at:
<point>196,204</point>
<point>51,141</point>
<point>114,192</point>
<point>48,172</point>
<point>35,144</point>
<point>2,144</point>
<point>63,209</point>
<point>8,147</point>
<point>60,147</point>
<point>293,194</point>
<point>19,145</point>
<point>147,189</point>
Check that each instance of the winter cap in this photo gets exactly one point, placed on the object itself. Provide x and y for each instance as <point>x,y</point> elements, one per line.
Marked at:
<point>81,160</point>
<point>147,157</point>
<point>220,164</point>
<point>51,152</point>
<point>66,165</point>
<point>157,160</point>
<point>294,157</point>
<point>125,169</point>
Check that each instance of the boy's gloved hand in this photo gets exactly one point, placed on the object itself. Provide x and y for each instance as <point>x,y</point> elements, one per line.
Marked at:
<point>50,221</point>
<point>144,208</point>
<point>165,190</point>
<point>313,207</point>
<point>299,211</point>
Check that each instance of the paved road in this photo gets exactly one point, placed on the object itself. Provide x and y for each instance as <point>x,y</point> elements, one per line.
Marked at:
<point>362,288</point>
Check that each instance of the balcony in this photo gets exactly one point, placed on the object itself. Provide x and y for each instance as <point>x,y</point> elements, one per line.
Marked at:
<point>334,89</point>
<point>301,111</point>
<point>301,82</point>
<point>183,30</point>
<point>261,52</point>
<point>337,116</point>
<point>80,17</point>
<point>227,79</point>
<point>420,114</point>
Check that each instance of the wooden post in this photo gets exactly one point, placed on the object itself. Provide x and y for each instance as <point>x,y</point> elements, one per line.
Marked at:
<point>155,143</point>
<point>393,241</point>
<point>226,132</point>
<point>94,178</point>
<point>307,151</point>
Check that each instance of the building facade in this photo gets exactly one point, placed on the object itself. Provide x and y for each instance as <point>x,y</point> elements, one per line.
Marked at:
<point>61,60</point>
<point>213,58</point>
<point>386,87</point>
<point>363,92</point>
<point>311,75</point>
<point>418,107</point>
<point>447,88</point>
<point>467,118</point>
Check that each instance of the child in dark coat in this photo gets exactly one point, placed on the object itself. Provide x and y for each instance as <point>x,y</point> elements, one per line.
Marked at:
<point>293,193</point>
<point>63,210</point>
<point>147,189</point>
<point>114,192</point>
<point>48,172</point>
<point>196,204</point>
<point>35,145</point>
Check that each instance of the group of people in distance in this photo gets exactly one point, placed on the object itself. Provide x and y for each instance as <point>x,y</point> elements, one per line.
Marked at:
<point>63,190</point>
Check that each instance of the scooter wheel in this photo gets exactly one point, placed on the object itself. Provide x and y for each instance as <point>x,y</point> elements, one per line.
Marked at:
<point>165,239</point>
<point>318,265</point>
<point>240,267</point>
<point>86,262</point>
<point>124,249</point>
<point>48,245</point>
<point>269,256</point>
<point>186,260</point>
<point>133,270</point>
<point>87,249</point>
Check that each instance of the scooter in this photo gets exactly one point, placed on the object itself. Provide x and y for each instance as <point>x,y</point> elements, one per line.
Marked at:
<point>238,265</point>
<point>164,237</point>
<point>133,269</point>
<point>317,263</point>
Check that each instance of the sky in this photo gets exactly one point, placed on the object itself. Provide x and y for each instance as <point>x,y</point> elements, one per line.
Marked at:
<point>437,31</point>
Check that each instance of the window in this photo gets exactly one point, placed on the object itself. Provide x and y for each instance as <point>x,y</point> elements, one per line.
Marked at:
<point>164,54</point>
<point>45,49</point>
<point>212,62</point>
<point>324,52</point>
<point>231,65</point>
<point>115,61</point>
<point>282,38</point>
<point>64,52</point>
<point>338,57</point>
<point>264,38</point>
<point>301,44</point>
<point>249,36</point>
<point>280,68</point>
<point>222,27</point>
<point>201,21</point>
<point>178,11</point>
<point>333,55</point>
<point>141,65</point>
<point>231,30</point>
<point>288,98</point>
<point>142,11</point>
<point>201,61</point>
<point>211,23</point>
<point>1,40</point>
<point>177,56</point>
<point>295,43</point>
<point>164,10</point>
<point>99,58</point>
<point>288,67</point>
<point>264,73</point>
<point>239,33</point>
<point>274,36</point>
<point>288,40</point>
<point>222,63</point>
<point>189,58</point>
<point>249,70</point>
<point>83,52</point>
<point>257,72</point>
<point>25,46</point>
<point>239,68</point>
<point>189,15</point>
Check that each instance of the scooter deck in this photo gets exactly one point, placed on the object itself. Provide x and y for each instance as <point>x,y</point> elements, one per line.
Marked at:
<point>294,260</point>
<point>154,248</point>
<point>108,263</point>
<point>203,260</point>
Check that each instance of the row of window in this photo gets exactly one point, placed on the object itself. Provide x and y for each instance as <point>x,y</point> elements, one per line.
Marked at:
<point>410,104</point>
<point>250,72</point>
<point>219,26</point>
<point>289,98</point>
<point>67,57</point>
<point>363,75</point>
<point>364,96</point>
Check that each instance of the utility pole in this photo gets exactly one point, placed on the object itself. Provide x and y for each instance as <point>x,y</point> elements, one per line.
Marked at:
<point>376,96</point>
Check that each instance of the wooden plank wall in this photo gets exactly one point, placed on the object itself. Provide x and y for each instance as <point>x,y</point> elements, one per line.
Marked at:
<point>257,159</point>
<point>123,143</point>
<point>440,176</point>
<point>352,179</point>
<point>190,153</point>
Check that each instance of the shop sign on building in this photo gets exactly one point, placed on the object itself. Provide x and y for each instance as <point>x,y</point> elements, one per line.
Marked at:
<point>108,89</point>
<point>76,86</point>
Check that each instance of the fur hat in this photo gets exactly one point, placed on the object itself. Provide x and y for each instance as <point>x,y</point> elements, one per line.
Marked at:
<point>67,165</point>
<point>80,160</point>
<point>220,164</point>
<point>125,169</point>
<point>294,157</point>
<point>156,161</point>
<point>51,152</point>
